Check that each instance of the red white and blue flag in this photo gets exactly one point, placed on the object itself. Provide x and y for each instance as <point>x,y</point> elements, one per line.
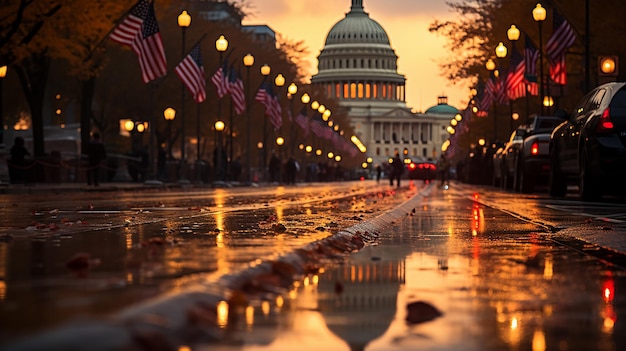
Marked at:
<point>140,31</point>
<point>563,37</point>
<point>303,121</point>
<point>191,72</point>
<point>515,85</point>
<point>265,95</point>
<point>220,80</point>
<point>235,87</point>
<point>531,55</point>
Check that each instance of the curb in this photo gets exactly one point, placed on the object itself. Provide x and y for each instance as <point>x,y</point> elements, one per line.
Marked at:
<point>189,317</point>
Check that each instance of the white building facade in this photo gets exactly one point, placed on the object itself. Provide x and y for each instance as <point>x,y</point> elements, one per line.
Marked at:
<point>358,67</point>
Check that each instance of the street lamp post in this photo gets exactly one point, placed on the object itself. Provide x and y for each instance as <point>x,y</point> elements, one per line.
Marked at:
<point>221,45</point>
<point>513,35</point>
<point>279,81</point>
<point>539,15</point>
<point>169,115</point>
<point>280,141</point>
<point>490,65</point>
<point>501,52</point>
<point>265,71</point>
<point>248,61</point>
<point>292,90</point>
<point>3,74</point>
<point>184,21</point>
<point>219,174</point>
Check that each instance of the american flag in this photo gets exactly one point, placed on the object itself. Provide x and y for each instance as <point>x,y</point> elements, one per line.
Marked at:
<point>501,93</point>
<point>265,95</point>
<point>140,31</point>
<point>235,87</point>
<point>220,80</point>
<point>303,121</point>
<point>191,71</point>
<point>531,54</point>
<point>563,36</point>
<point>485,99</point>
<point>318,129</point>
<point>515,80</point>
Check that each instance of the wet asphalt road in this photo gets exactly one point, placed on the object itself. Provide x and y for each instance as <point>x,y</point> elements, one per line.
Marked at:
<point>136,245</point>
<point>505,271</point>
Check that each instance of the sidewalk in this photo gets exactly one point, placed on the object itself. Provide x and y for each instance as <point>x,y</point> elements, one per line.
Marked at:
<point>32,188</point>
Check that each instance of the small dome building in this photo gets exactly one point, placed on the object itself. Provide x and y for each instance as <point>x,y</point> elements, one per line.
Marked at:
<point>358,66</point>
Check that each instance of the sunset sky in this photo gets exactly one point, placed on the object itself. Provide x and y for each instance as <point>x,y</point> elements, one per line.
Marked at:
<point>406,23</point>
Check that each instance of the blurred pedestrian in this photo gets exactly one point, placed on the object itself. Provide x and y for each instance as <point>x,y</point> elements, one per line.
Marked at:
<point>397,169</point>
<point>161,163</point>
<point>444,170</point>
<point>236,169</point>
<point>96,153</point>
<point>17,162</point>
<point>291,169</point>
<point>379,172</point>
<point>274,168</point>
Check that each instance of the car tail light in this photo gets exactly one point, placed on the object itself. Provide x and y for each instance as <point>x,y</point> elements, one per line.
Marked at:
<point>534,149</point>
<point>605,124</point>
<point>412,166</point>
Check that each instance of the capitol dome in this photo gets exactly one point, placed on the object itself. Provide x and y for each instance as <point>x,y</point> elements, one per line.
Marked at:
<point>357,27</point>
<point>358,66</point>
<point>442,108</point>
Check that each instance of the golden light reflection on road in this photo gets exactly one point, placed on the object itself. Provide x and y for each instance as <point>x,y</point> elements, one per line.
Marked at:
<point>222,314</point>
<point>3,271</point>
<point>539,341</point>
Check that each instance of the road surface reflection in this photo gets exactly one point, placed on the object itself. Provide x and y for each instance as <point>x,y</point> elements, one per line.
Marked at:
<point>499,283</point>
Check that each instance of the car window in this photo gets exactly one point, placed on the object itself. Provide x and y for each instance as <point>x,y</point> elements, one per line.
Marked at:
<point>619,100</point>
<point>581,109</point>
<point>596,101</point>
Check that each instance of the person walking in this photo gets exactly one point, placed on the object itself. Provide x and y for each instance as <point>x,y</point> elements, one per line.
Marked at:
<point>17,162</point>
<point>444,170</point>
<point>397,169</point>
<point>96,153</point>
<point>379,171</point>
<point>291,169</point>
<point>274,168</point>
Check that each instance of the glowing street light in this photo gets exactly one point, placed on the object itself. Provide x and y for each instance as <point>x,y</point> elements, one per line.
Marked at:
<point>539,15</point>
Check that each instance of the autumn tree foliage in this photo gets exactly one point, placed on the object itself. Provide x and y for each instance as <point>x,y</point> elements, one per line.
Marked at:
<point>34,33</point>
<point>55,45</point>
<point>482,24</point>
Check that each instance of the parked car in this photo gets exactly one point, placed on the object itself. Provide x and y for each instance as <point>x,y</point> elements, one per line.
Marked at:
<point>507,158</point>
<point>532,158</point>
<point>496,179</point>
<point>424,170</point>
<point>589,147</point>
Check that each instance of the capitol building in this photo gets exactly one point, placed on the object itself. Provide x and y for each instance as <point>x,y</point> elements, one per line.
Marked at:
<point>358,67</point>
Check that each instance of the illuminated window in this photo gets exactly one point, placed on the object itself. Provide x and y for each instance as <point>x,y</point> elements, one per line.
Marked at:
<point>353,90</point>
<point>375,90</point>
<point>368,91</point>
<point>360,90</point>
<point>346,91</point>
<point>338,90</point>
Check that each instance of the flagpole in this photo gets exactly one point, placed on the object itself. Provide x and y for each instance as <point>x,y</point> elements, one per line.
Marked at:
<point>152,157</point>
<point>115,24</point>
